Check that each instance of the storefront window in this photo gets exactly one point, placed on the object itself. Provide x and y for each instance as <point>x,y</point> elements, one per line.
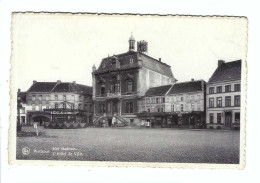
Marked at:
<point>211,118</point>
<point>237,117</point>
<point>219,118</point>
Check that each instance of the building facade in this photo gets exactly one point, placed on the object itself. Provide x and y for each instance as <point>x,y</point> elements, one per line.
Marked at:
<point>223,96</point>
<point>178,105</point>
<point>59,102</point>
<point>121,80</point>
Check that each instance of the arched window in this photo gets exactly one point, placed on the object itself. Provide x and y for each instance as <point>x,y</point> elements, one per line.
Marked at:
<point>129,85</point>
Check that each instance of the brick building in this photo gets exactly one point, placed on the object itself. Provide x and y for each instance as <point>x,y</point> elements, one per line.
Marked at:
<point>59,102</point>
<point>178,105</point>
<point>121,80</point>
<point>223,96</point>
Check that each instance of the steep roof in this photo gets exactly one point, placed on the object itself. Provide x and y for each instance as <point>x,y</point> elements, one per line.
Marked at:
<point>156,65</point>
<point>60,87</point>
<point>146,61</point>
<point>227,71</point>
<point>42,87</point>
<point>158,91</point>
<point>186,87</point>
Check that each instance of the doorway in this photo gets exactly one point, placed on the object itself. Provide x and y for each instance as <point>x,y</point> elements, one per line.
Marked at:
<point>228,119</point>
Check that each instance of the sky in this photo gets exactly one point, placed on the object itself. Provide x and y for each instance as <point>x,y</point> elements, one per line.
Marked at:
<point>51,47</point>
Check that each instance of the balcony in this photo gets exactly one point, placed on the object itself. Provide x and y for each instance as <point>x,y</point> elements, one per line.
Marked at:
<point>114,95</point>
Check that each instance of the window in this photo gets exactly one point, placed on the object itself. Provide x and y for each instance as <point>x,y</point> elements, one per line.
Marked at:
<point>73,97</point>
<point>47,105</point>
<point>192,97</point>
<point>102,108</point>
<point>219,102</point>
<point>40,97</point>
<point>56,97</point>
<point>147,100</point>
<point>153,100</point>
<point>33,97</point>
<point>161,109</point>
<point>117,87</point>
<point>237,87</point>
<point>40,107</point>
<point>228,88</point>
<point>148,110</point>
<point>211,118</point>
<point>157,100</point>
<point>219,118</point>
<point>131,60</point>
<point>129,107</point>
<point>64,97</point>
<point>33,107</point>
<point>237,117</point>
<point>56,105</point>
<point>158,109</point>
<point>192,107</point>
<point>237,100</point>
<point>181,98</point>
<point>79,106</point>
<point>172,108</point>
<point>211,102</point>
<point>198,97</point>
<point>102,90</point>
<point>181,107</point>
<point>199,107</point>
<point>163,100</point>
<point>219,89</point>
<point>228,101</point>
<point>47,97</point>
<point>129,85</point>
<point>211,90</point>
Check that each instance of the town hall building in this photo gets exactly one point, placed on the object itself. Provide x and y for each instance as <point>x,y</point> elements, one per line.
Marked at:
<point>121,80</point>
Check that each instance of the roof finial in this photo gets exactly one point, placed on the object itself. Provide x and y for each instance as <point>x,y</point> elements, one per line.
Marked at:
<point>131,43</point>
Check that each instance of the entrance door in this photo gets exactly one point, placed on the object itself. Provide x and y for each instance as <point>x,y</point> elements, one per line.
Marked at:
<point>115,107</point>
<point>228,118</point>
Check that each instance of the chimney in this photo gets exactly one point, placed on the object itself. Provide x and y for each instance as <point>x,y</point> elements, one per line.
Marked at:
<point>220,62</point>
<point>19,90</point>
<point>192,79</point>
<point>34,81</point>
<point>160,60</point>
<point>58,81</point>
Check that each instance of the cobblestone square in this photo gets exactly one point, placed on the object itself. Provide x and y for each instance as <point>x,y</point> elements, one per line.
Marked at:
<point>133,145</point>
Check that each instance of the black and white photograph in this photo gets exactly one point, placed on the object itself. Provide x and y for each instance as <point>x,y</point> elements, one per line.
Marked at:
<point>128,90</point>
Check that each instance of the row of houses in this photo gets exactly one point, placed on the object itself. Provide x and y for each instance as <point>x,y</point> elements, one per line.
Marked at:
<point>134,88</point>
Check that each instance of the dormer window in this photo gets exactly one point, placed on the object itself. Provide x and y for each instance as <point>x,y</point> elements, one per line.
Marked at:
<point>131,60</point>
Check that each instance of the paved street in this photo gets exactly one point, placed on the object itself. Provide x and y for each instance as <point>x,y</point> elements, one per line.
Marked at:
<point>137,145</point>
